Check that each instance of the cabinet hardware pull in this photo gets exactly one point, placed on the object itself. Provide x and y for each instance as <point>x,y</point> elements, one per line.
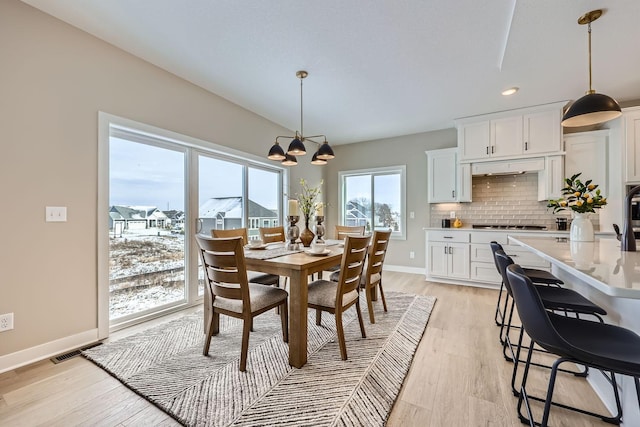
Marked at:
<point>493,149</point>
<point>448,237</point>
<point>450,250</point>
<point>526,146</point>
<point>487,150</point>
<point>453,194</point>
<point>445,250</point>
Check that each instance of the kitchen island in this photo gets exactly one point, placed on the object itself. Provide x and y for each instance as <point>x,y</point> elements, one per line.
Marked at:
<point>609,277</point>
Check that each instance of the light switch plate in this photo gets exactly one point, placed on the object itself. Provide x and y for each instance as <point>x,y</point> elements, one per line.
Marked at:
<point>452,214</point>
<point>56,213</point>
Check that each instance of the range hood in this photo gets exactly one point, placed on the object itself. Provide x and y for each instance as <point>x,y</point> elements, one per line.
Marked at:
<point>507,167</point>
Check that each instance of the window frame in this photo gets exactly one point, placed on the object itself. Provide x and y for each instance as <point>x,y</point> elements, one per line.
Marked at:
<point>386,170</point>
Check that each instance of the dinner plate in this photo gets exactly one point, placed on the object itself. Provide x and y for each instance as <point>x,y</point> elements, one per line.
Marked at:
<point>323,253</point>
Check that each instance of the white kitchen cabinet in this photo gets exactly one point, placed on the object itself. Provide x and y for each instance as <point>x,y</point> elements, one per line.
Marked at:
<point>506,137</point>
<point>515,133</point>
<point>586,153</point>
<point>449,260</point>
<point>447,181</point>
<point>448,254</point>
<point>632,144</point>
<point>542,132</point>
<point>551,179</point>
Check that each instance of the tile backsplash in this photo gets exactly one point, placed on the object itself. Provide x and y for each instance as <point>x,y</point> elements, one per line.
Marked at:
<point>503,199</point>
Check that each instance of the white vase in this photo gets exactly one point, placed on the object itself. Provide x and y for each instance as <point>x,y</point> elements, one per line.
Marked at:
<point>581,228</point>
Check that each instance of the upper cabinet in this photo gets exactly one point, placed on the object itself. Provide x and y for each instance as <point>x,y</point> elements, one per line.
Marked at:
<point>587,153</point>
<point>447,180</point>
<point>516,133</point>
<point>632,144</point>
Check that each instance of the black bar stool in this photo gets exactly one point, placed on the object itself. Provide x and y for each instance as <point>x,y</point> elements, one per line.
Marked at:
<point>598,345</point>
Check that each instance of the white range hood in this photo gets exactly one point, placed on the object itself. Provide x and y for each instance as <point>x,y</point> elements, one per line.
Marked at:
<point>508,167</point>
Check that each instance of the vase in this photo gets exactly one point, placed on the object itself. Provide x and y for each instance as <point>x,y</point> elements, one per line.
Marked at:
<point>581,228</point>
<point>306,235</point>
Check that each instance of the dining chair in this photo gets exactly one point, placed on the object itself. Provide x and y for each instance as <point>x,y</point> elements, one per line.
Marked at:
<point>342,231</point>
<point>254,276</point>
<point>325,295</point>
<point>602,346</point>
<point>272,234</point>
<point>372,271</point>
<point>230,293</point>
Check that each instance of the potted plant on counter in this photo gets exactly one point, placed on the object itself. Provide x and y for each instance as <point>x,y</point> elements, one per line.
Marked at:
<point>581,198</point>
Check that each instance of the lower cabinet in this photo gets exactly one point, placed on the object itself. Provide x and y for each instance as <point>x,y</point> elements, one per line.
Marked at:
<point>449,259</point>
<point>467,256</point>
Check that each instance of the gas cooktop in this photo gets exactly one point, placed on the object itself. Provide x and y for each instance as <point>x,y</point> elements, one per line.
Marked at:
<point>509,227</point>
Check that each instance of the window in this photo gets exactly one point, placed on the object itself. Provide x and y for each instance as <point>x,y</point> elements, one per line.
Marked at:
<point>157,189</point>
<point>374,198</point>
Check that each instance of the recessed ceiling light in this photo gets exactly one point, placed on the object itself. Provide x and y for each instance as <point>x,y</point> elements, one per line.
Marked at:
<point>510,91</point>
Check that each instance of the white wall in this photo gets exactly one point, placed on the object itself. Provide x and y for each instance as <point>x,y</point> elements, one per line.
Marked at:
<point>54,79</point>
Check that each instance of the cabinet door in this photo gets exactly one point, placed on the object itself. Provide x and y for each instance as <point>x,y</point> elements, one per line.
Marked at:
<point>441,185</point>
<point>473,140</point>
<point>632,145</point>
<point>458,260</point>
<point>551,179</point>
<point>587,153</point>
<point>506,137</point>
<point>464,182</point>
<point>438,257</point>
<point>542,132</point>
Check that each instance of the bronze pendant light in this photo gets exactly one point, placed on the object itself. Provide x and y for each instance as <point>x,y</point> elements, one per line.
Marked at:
<point>593,108</point>
<point>296,147</point>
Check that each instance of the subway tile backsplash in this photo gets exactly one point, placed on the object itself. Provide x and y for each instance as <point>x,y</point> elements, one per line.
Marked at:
<point>503,199</point>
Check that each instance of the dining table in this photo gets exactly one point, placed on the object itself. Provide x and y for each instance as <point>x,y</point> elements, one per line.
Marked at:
<point>297,264</point>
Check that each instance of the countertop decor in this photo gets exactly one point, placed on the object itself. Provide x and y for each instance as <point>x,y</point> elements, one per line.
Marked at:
<point>308,206</point>
<point>581,198</point>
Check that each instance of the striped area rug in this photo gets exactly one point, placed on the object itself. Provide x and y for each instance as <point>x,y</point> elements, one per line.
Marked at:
<point>165,365</point>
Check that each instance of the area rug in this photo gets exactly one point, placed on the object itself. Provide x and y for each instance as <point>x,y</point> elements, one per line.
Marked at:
<point>165,365</point>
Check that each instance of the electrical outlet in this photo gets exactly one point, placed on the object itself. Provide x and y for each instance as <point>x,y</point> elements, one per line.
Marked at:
<point>412,254</point>
<point>6,322</point>
<point>452,214</point>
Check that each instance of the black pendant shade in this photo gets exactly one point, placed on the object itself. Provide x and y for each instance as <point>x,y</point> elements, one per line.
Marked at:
<point>276,152</point>
<point>325,152</point>
<point>290,160</point>
<point>297,148</point>
<point>315,160</point>
<point>591,109</point>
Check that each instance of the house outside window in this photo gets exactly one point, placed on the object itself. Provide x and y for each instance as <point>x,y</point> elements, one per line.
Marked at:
<point>375,199</point>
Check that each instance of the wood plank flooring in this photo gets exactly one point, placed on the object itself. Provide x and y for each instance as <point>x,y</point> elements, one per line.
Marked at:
<point>458,377</point>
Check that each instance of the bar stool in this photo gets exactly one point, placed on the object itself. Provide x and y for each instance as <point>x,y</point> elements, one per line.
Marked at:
<point>606,347</point>
<point>565,300</point>
<point>536,276</point>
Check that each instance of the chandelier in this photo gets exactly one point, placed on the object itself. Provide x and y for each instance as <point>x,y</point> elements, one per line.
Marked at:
<point>296,147</point>
<point>593,108</point>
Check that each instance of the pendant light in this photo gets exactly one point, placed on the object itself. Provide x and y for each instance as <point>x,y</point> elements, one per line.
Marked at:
<point>296,147</point>
<point>593,108</point>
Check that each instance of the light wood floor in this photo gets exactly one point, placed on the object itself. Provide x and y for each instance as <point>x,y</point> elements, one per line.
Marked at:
<point>458,377</point>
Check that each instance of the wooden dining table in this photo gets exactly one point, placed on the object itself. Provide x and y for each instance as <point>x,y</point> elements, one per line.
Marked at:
<point>297,266</point>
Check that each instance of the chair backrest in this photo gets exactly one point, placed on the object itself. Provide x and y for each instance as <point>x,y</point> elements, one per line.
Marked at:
<point>234,232</point>
<point>343,231</point>
<point>502,262</point>
<point>272,234</point>
<point>225,271</point>
<point>377,252</point>
<point>533,315</point>
<point>495,246</point>
<point>351,265</point>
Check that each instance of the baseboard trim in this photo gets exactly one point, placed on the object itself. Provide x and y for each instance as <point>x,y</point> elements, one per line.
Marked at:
<point>403,269</point>
<point>43,351</point>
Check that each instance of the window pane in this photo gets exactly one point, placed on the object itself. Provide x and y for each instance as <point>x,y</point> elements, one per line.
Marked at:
<point>264,197</point>
<point>357,209</point>
<point>146,244</point>
<point>220,194</point>
<point>387,197</point>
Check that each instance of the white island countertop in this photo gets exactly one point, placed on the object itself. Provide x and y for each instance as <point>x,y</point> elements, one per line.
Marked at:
<point>601,263</point>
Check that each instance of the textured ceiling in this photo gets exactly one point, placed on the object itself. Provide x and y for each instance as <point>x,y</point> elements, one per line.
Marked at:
<point>376,69</point>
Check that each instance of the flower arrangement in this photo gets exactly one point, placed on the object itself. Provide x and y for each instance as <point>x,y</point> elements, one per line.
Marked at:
<point>578,196</point>
<point>307,199</point>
